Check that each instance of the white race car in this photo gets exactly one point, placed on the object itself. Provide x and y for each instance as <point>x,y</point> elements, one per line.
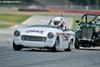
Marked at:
<point>43,36</point>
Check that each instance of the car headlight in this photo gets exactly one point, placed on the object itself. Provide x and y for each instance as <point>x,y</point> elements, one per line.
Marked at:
<point>16,33</point>
<point>50,35</point>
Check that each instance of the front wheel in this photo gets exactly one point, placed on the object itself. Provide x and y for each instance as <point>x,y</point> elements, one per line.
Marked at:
<point>16,47</point>
<point>77,45</point>
<point>55,48</point>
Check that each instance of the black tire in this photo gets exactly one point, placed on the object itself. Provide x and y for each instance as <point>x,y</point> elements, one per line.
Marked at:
<point>69,46</point>
<point>16,47</point>
<point>77,45</point>
<point>55,47</point>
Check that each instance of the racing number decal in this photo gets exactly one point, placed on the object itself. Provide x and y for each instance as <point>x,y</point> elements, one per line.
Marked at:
<point>65,37</point>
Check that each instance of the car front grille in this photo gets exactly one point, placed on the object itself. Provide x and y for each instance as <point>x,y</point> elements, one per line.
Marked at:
<point>33,38</point>
<point>87,33</point>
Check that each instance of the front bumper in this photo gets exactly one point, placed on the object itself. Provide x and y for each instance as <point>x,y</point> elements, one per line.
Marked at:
<point>47,43</point>
<point>85,41</point>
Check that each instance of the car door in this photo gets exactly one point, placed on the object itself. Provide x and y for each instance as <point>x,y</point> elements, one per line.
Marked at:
<point>63,40</point>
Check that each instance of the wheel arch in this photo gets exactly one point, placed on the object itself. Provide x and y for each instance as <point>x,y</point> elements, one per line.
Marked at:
<point>57,38</point>
<point>72,39</point>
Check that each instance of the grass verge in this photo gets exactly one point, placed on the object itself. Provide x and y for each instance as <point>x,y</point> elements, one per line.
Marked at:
<point>74,24</point>
<point>7,19</point>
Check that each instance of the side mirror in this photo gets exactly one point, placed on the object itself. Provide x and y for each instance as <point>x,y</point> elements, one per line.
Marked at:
<point>77,21</point>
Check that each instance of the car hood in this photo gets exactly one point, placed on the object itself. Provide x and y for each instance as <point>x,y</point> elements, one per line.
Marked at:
<point>38,31</point>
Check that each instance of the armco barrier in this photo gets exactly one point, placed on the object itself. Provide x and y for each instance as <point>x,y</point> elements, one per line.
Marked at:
<point>35,10</point>
<point>62,11</point>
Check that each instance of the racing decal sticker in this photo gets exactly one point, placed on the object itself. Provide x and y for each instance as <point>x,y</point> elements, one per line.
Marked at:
<point>65,36</point>
<point>38,31</point>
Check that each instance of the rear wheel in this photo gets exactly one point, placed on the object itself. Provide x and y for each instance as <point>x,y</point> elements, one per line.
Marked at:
<point>16,47</point>
<point>70,46</point>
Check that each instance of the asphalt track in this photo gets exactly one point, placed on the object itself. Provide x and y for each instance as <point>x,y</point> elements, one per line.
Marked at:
<point>88,57</point>
<point>85,57</point>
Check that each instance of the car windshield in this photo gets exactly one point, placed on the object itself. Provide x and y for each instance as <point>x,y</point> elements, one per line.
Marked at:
<point>88,18</point>
<point>45,26</point>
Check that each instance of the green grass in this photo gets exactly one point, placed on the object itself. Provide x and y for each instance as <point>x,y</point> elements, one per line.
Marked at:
<point>4,26</point>
<point>74,24</point>
<point>12,18</point>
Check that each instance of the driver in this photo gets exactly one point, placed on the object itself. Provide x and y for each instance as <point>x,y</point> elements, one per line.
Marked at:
<point>59,21</point>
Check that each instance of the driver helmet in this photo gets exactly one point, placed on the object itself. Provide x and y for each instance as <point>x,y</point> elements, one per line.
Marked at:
<point>57,21</point>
